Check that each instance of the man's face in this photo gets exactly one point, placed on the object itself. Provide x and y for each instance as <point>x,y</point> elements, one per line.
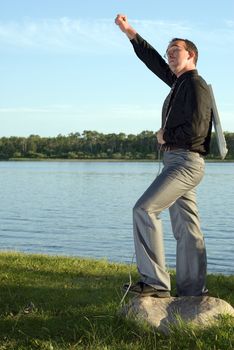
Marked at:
<point>179,59</point>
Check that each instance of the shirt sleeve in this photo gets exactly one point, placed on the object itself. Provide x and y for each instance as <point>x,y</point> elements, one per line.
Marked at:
<point>153,60</point>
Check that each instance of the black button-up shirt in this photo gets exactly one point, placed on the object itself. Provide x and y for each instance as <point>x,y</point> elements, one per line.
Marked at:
<point>187,116</point>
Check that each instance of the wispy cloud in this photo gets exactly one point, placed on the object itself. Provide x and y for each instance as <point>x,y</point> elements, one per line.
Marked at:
<point>42,110</point>
<point>63,35</point>
<point>62,119</point>
<point>114,110</point>
<point>230,23</point>
<point>130,118</point>
<point>101,36</point>
<point>78,35</point>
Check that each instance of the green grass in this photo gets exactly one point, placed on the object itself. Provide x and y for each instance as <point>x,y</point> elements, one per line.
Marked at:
<point>75,303</point>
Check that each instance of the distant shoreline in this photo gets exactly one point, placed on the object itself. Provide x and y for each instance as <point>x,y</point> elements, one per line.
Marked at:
<point>107,160</point>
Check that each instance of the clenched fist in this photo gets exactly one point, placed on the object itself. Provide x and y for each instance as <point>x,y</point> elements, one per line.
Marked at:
<point>122,21</point>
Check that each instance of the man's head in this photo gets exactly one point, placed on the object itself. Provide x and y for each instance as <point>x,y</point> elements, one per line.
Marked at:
<point>182,55</point>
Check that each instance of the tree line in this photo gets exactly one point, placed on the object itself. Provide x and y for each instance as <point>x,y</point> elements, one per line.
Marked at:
<point>93,145</point>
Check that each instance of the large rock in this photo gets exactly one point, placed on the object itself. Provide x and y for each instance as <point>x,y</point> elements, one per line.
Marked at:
<point>161,312</point>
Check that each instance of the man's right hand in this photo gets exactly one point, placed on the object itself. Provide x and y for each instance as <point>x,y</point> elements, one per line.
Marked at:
<point>122,21</point>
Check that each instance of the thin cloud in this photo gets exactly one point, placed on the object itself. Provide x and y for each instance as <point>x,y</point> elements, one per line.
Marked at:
<point>42,110</point>
<point>63,35</point>
<point>119,109</point>
<point>67,35</point>
<point>230,23</point>
<point>101,36</point>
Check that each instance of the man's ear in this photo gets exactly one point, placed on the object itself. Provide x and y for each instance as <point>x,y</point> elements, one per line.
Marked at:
<point>191,54</point>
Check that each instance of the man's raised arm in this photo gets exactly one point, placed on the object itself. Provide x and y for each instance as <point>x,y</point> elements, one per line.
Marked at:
<point>145,52</point>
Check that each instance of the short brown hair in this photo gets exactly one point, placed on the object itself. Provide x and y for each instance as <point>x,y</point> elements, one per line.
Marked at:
<point>189,46</point>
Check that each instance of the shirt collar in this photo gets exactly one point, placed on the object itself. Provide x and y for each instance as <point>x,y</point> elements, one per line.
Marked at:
<point>191,72</point>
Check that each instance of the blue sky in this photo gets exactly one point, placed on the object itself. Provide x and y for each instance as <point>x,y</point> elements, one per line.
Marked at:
<point>66,67</point>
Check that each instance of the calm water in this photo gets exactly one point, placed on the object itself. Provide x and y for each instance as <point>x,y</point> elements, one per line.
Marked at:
<point>85,209</point>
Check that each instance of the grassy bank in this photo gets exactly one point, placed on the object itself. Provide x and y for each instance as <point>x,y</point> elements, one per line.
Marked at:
<point>70,303</point>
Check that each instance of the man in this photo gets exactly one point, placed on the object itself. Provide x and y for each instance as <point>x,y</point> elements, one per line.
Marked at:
<point>184,139</point>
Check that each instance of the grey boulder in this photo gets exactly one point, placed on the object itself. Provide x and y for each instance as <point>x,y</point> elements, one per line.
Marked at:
<point>163,312</point>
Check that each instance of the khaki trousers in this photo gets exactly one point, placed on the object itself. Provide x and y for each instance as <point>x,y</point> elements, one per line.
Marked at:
<point>174,188</point>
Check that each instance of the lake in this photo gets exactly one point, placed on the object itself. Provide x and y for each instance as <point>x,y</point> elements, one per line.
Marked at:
<point>85,209</point>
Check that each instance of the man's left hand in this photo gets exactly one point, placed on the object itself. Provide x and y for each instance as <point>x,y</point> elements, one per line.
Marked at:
<point>159,135</point>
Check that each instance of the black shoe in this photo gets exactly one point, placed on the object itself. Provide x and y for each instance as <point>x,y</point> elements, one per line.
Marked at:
<point>144,290</point>
<point>205,293</point>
